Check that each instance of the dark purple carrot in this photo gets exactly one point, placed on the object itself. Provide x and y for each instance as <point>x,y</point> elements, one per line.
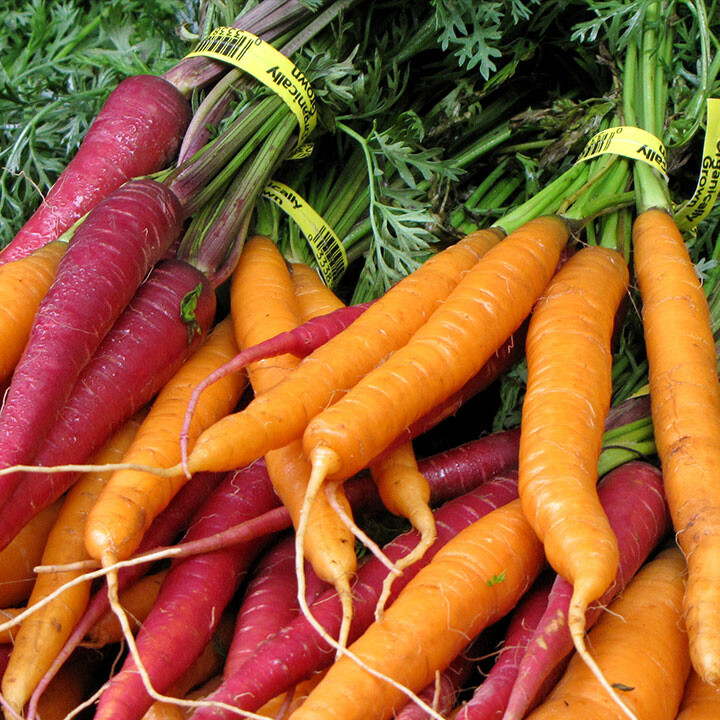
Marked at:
<point>137,132</point>
<point>297,650</point>
<point>106,260</point>
<point>162,325</point>
<point>300,341</point>
<point>192,597</point>
<point>490,698</point>
<point>166,527</point>
<point>633,500</point>
<point>270,601</point>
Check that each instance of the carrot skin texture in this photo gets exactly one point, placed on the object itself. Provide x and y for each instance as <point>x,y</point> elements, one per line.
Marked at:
<point>685,403</point>
<point>487,306</point>
<point>633,499</point>
<point>23,285</point>
<point>455,589</point>
<point>137,132</point>
<point>385,326</point>
<point>640,643</point>
<point>192,598</point>
<point>700,701</point>
<point>105,262</point>
<point>120,379</point>
<point>297,650</point>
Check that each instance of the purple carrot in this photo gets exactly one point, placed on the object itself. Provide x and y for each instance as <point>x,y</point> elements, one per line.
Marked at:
<point>165,528</point>
<point>270,601</point>
<point>137,132</point>
<point>142,351</point>
<point>300,341</point>
<point>490,698</point>
<point>106,260</point>
<point>297,650</point>
<point>192,597</point>
<point>633,500</point>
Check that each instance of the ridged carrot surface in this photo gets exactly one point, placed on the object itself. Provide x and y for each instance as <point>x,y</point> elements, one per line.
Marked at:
<point>569,386</point>
<point>685,402</point>
<point>276,418</point>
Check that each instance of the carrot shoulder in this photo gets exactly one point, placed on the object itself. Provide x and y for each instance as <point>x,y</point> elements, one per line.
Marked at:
<point>685,403</point>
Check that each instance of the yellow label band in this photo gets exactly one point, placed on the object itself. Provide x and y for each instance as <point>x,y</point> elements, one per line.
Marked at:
<point>325,244</point>
<point>254,56</point>
<point>630,142</point>
<point>697,208</point>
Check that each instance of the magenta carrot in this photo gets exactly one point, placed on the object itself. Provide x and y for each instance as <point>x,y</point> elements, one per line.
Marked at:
<point>633,500</point>
<point>137,132</point>
<point>490,699</point>
<point>192,598</point>
<point>166,527</point>
<point>297,650</point>
<point>106,260</point>
<point>270,602</point>
<point>120,379</point>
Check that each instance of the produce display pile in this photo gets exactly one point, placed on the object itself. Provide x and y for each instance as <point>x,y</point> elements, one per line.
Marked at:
<point>359,360</point>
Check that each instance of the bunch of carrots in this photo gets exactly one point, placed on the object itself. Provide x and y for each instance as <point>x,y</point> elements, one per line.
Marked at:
<point>200,506</point>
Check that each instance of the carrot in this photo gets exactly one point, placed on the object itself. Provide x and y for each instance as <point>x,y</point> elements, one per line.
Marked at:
<point>96,278</point>
<point>42,635</point>
<point>68,688</point>
<point>568,396</point>
<point>19,558</point>
<point>314,298</point>
<point>640,644</point>
<point>633,500</point>
<point>120,379</point>
<point>474,580</point>
<point>276,418</point>
<point>685,405</point>
<point>297,650</point>
<point>137,132</point>
<point>137,600</point>
<point>7,636</point>
<point>23,285</point>
<point>700,701</point>
<point>132,499</point>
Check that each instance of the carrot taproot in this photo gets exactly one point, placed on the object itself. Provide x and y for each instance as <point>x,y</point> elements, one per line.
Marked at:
<point>567,398</point>
<point>640,644</point>
<point>633,499</point>
<point>297,650</point>
<point>68,688</point>
<point>685,406</point>
<point>137,600</point>
<point>120,379</point>
<point>137,132</point>
<point>23,284</point>
<point>474,580</point>
<point>42,635</point>
<point>276,418</point>
<point>166,527</point>
<point>314,297</point>
<point>700,701</point>
<point>133,499</point>
<point>96,278</point>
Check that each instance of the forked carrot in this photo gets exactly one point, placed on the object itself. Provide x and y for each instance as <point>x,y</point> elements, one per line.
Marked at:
<point>23,285</point>
<point>685,403</point>
<point>640,645</point>
<point>568,396</point>
<point>276,418</point>
<point>42,635</point>
<point>474,580</point>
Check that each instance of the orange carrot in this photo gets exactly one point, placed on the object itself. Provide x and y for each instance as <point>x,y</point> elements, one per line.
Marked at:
<point>700,701</point>
<point>19,558</point>
<point>313,296</point>
<point>568,396</point>
<point>43,634</point>
<point>473,581</point>
<point>640,645</point>
<point>132,499</point>
<point>685,403</point>
<point>23,284</point>
<point>7,636</point>
<point>276,418</point>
